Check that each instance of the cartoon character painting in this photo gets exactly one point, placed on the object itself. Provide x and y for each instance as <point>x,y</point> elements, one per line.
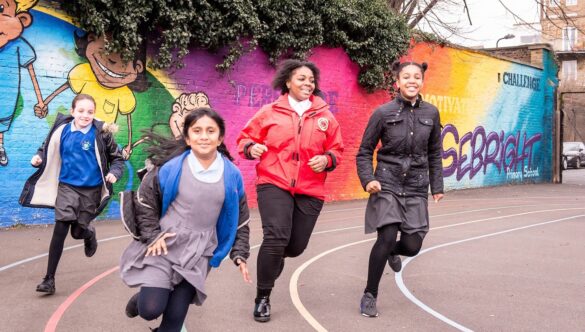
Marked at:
<point>15,53</point>
<point>108,78</point>
<point>182,106</point>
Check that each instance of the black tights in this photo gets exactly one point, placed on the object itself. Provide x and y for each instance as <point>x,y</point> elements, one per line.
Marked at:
<point>386,245</point>
<point>78,232</point>
<point>287,224</point>
<point>173,305</point>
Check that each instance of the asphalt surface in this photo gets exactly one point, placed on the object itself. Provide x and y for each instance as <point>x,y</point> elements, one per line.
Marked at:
<point>496,259</point>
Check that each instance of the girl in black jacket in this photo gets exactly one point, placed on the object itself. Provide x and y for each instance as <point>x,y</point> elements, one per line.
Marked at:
<point>409,160</point>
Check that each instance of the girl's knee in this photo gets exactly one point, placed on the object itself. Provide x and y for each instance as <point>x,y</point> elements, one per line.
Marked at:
<point>150,313</point>
<point>294,252</point>
<point>410,252</point>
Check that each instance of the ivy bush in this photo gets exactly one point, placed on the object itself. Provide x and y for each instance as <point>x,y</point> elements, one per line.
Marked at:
<point>369,32</point>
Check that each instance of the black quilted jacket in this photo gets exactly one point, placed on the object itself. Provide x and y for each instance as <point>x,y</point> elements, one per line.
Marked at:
<point>410,157</point>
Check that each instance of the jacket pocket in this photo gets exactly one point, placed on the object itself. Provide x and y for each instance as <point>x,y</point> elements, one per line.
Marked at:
<point>395,127</point>
<point>424,126</point>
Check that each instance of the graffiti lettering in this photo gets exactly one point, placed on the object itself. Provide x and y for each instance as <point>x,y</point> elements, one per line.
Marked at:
<point>256,95</point>
<point>505,152</point>
<point>521,80</point>
<point>448,104</point>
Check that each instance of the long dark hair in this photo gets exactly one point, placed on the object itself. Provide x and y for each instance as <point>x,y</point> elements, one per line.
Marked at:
<point>162,148</point>
<point>285,72</point>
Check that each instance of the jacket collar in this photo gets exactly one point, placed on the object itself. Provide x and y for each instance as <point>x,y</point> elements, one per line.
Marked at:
<point>403,102</point>
<point>318,105</point>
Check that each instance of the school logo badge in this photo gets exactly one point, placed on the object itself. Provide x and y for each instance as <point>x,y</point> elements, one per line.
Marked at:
<point>85,145</point>
<point>323,124</point>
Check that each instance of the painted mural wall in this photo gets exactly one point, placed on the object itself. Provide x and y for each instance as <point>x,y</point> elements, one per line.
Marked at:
<point>497,115</point>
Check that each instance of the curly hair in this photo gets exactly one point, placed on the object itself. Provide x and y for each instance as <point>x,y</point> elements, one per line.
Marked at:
<point>397,67</point>
<point>285,72</point>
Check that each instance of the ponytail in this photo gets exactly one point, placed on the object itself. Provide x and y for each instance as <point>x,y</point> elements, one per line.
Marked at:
<point>222,148</point>
<point>161,149</point>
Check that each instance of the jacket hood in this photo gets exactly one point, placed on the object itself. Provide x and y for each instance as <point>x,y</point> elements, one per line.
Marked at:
<point>317,104</point>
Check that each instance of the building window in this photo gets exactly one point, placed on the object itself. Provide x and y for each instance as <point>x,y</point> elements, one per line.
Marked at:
<point>570,2</point>
<point>569,70</point>
<point>569,38</point>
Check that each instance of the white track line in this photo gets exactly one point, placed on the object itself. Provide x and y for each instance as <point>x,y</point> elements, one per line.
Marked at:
<point>26,260</point>
<point>293,284</point>
<point>408,294</point>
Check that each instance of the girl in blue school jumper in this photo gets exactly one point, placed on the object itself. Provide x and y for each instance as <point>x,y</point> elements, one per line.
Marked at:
<point>188,213</point>
<point>77,165</point>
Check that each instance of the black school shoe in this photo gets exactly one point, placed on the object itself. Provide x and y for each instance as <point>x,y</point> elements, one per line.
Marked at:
<point>262,309</point>
<point>395,263</point>
<point>91,244</point>
<point>132,306</point>
<point>47,285</point>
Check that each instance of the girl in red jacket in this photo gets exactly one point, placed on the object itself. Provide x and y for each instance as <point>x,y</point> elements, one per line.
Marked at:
<point>297,140</point>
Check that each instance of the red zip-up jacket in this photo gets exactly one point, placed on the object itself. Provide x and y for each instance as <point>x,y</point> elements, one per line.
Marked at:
<point>291,141</point>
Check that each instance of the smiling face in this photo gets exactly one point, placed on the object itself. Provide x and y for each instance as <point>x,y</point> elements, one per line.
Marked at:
<point>110,70</point>
<point>301,84</point>
<point>83,113</point>
<point>204,137</point>
<point>11,24</point>
<point>410,81</point>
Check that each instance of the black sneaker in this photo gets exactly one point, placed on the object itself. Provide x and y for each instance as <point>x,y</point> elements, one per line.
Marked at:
<point>368,305</point>
<point>262,309</point>
<point>47,285</point>
<point>3,157</point>
<point>395,263</point>
<point>132,306</point>
<point>91,244</point>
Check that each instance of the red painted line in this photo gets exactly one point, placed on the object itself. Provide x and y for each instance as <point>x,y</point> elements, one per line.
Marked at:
<point>56,317</point>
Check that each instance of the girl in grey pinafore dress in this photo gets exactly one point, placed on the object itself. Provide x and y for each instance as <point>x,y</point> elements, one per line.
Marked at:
<point>192,216</point>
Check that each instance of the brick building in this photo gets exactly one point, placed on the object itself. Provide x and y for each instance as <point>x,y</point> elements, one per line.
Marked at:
<point>563,26</point>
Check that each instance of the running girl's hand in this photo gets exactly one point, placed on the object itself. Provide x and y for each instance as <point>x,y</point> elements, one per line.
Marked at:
<point>373,187</point>
<point>257,150</point>
<point>111,178</point>
<point>36,160</point>
<point>318,163</point>
<point>244,271</point>
<point>159,247</point>
<point>438,197</point>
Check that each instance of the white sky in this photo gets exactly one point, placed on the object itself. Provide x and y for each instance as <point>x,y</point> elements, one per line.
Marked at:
<point>491,21</point>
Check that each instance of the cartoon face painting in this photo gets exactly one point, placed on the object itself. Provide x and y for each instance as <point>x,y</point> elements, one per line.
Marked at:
<point>110,70</point>
<point>12,23</point>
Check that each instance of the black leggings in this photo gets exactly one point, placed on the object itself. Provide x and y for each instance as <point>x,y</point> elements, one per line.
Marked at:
<point>78,232</point>
<point>287,224</point>
<point>386,245</point>
<point>173,305</point>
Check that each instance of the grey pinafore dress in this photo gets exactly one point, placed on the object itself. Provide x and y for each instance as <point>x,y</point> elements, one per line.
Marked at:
<point>193,217</point>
